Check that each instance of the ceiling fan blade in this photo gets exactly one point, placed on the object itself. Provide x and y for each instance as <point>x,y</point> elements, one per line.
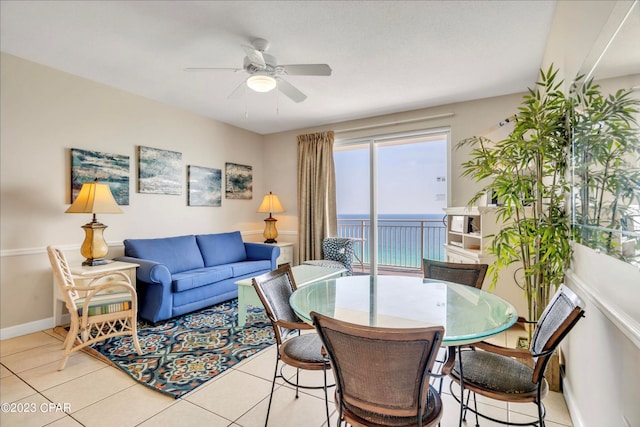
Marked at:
<point>239,91</point>
<point>198,69</point>
<point>307,69</point>
<point>255,57</point>
<point>289,90</point>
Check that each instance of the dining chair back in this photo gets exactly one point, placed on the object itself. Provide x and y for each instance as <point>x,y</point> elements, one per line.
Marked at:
<point>301,351</point>
<point>98,310</point>
<point>465,274</point>
<point>382,374</point>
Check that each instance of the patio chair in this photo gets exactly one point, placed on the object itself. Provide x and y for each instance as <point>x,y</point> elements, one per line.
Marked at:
<point>494,372</point>
<point>337,252</point>
<point>465,274</point>
<point>301,351</point>
<point>382,374</point>
<point>97,310</point>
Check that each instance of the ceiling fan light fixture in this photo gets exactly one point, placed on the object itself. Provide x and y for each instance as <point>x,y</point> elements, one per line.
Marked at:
<point>261,83</point>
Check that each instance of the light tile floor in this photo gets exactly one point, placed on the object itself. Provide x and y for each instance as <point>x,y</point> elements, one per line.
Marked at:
<point>91,393</point>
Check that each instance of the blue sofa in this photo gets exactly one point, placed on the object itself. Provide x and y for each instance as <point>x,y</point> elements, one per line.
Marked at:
<point>181,274</point>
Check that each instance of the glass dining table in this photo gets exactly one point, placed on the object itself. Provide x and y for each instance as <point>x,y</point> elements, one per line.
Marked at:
<point>468,314</point>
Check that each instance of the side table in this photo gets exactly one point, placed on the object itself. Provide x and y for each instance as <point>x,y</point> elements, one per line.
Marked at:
<point>81,276</point>
<point>286,253</point>
<point>302,274</point>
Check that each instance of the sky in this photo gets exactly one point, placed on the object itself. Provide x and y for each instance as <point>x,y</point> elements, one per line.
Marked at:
<point>411,178</point>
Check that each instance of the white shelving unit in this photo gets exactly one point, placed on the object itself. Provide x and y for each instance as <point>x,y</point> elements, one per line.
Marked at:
<point>468,231</point>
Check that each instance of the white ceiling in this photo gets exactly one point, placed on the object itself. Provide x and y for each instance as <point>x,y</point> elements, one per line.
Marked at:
<point>386,56</point>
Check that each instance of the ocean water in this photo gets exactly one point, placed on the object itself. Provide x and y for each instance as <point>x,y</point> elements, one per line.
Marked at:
<point>403,239</point>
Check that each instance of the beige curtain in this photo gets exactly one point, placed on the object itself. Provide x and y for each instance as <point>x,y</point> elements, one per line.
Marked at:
<point>316,193</point>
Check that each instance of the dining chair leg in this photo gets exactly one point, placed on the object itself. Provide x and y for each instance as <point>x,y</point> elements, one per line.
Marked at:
<point>297,380</point>
<point>475,406</point>
<point>541,409</point>
<point>326,397</point>
<point>273,386</point>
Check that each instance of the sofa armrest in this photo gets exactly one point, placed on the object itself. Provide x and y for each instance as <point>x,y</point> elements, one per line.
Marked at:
<point>260,251</point>
<point>155,296</point>
<point>149,271</point>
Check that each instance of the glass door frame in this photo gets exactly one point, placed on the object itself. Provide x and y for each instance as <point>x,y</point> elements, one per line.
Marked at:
<point>372,142</point>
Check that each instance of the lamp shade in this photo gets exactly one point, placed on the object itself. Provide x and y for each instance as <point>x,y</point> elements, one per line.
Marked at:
<point>261,83</point>
<point>94,198</point>
<point>270,204</point>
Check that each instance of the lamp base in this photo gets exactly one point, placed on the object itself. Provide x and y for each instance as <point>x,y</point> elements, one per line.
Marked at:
<point>270,232</point>
<point>94,248</point>
<point>92,262</point>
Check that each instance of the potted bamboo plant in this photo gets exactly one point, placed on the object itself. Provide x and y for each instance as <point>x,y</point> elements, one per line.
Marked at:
<point>526,172</point>
<point>606,172</point>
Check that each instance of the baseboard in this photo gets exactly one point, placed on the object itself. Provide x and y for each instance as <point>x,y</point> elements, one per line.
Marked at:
<point>26,328</point>
<point>574,411</point>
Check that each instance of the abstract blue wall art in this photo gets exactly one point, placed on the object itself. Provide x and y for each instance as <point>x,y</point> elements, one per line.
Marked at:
<point>159,171</point>
<point>111,169</point>
<point>239,181</point>
<point>205,186</point>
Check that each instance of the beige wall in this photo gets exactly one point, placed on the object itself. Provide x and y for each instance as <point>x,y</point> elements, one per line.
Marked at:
<point>464,120</point>
<point>44,113</point>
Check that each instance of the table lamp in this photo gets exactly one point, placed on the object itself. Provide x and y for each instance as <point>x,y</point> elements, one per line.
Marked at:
<point>94,198</point>
<point>270,204</point>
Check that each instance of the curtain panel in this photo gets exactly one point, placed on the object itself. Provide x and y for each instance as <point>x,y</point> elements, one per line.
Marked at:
<point>317,217</point>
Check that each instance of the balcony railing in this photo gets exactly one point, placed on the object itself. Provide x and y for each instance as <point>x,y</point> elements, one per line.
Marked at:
<point>402,243</point>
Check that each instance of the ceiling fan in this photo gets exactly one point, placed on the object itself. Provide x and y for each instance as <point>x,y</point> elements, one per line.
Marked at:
<point>265,72</point>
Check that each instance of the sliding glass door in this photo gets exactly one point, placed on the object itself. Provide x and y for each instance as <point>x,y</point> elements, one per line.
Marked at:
<point>391,191</point>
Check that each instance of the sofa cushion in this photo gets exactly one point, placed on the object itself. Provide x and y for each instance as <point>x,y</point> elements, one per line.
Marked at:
<point>222,248</point>
<point>177,253</point>
<point>248,267</point>
<point>201,277</point>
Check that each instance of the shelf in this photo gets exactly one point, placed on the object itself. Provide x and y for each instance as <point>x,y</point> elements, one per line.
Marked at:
<point>467,229</point>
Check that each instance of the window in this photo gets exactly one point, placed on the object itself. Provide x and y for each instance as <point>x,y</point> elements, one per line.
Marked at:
<point>397,187</point>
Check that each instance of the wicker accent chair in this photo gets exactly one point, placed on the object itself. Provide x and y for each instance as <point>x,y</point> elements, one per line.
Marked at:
<point>301,351</point>
<point>98,310</point>
<point>382,374</point>
<point>497,374</point>
<point>337,252</point>
<point>465,274</point>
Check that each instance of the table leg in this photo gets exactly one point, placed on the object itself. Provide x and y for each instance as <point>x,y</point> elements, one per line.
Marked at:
<point>242,308</point>
<point>462,405</point>
<point>242,313</point>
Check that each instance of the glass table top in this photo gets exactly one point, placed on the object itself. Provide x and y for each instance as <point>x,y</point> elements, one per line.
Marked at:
<point>467,314</point>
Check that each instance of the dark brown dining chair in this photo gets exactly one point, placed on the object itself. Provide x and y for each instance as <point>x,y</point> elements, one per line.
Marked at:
<point>465,274</point>
<point>495,372</point>
<point>382,374</point>
<point>301,351</point>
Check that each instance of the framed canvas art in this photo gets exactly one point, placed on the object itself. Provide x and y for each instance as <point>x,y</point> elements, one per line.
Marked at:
<point>159,171</point>
<point>205,186</point>
<point>111,169</point>
<point>238,181</point>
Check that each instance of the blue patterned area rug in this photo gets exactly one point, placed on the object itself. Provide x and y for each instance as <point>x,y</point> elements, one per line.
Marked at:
<point>183,353</point>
